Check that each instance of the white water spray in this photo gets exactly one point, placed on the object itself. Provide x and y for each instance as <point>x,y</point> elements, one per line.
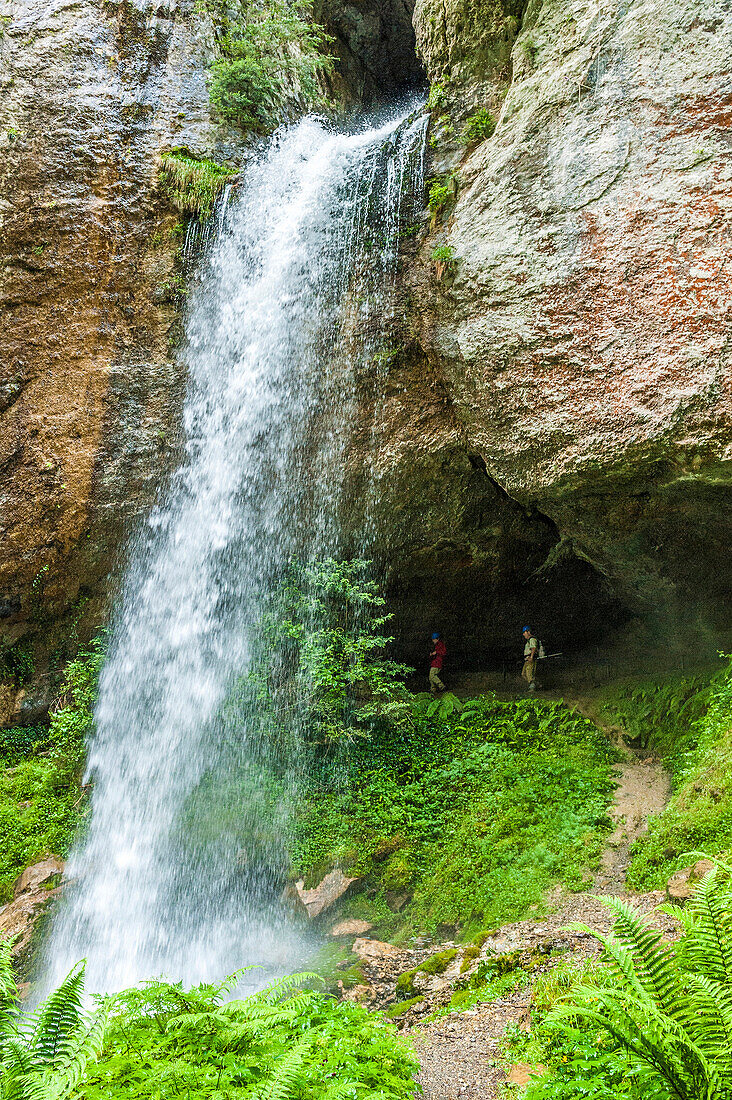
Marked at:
<point>177,873</point>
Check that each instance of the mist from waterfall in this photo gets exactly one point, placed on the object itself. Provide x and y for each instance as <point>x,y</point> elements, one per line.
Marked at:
<point>179,871</point>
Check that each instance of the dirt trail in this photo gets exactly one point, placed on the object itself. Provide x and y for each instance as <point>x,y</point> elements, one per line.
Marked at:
<point>458,1052</point>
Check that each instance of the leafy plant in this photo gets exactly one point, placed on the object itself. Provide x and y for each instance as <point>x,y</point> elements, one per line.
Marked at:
<point>40,799</point>
<point>193,183</point>
<point>442,192</point>
<point>444,259</point>
<point>669,1009</point>
<point>272,53</point>
<point>164,1042</point>
<point>332,677</point>
<point>437,98</point>
<point>477,127</point>
<point>45,1054</point>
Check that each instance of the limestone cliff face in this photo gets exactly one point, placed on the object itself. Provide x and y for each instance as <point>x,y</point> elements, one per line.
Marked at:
<point>552,440</point>
<point>92,92</point>
<point>581,340</point>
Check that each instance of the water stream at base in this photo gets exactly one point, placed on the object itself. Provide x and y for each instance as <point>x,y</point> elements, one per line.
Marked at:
<point>179,872</point>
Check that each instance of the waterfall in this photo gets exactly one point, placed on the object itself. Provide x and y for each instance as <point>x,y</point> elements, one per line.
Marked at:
<point>174,874</point>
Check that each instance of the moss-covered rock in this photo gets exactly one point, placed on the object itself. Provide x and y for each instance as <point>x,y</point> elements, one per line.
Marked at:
<point>435,964</point>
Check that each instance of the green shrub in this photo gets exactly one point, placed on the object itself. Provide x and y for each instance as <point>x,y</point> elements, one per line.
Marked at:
<point>192,183</point>
<point>689,721</point>
<point>20,742</point>
<point>282,1043</point>
<point>477,127</point>
<point>492,805</point>
<point>272,53</point>
<point>322,661</point>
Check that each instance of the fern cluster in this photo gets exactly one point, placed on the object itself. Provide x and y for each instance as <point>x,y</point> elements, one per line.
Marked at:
<point>285,1041</point>
<point>661,1011</point>
<point>44,1055</point>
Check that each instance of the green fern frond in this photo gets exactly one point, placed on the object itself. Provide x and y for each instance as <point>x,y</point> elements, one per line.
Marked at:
<point>283,987</point>
<point>8,985</point>
<point>710,1018</point>
<point>284,1082</point>
<point>709,949</point>
<point>655,964</point>
<point>76,1052</point>
<point>58,1017</point>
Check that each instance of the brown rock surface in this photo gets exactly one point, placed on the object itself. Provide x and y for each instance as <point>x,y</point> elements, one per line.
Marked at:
<point>38,874</point>
<point>351,928</point>
<point>89,392</point>
<point>681,885</point>
<point>32,894</point>
<point>580,352</point>
<point>326,893</point>
<point>375,949</point>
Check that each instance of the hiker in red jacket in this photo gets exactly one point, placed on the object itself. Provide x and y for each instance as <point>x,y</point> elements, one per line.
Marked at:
<point>437,656</point>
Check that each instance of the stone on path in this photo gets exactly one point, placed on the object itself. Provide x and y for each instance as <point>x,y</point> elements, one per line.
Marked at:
<point>375,949</point>
<point>523,1074</point>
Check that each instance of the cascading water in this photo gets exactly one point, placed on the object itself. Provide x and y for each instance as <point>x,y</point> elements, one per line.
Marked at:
<point>175,874</point>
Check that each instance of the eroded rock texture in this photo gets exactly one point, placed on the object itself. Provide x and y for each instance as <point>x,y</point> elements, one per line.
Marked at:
<point>580,344</point>
<point>92,92</point>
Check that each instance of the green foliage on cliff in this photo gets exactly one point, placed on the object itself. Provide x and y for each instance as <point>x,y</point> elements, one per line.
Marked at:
<point>166,1042</point>
<point>442,191</point>
<point>689,721</point>
<point>464,820</point>
<point>272,54</point>
<point>322,664</point>
<point>40,798</point>
<point>477,127</point>
<point>193,183</point>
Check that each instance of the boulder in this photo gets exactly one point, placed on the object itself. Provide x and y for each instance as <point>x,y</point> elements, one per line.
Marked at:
<point>326,893</point>
<point>351,928</point>
<point>680,887</point>
<point>38,874</point>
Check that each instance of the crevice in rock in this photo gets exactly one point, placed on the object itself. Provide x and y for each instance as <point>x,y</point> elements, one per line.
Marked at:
<point>375,46</point>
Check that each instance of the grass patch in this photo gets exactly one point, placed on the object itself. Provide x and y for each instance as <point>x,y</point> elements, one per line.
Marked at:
<point>40,769</point>
<point>472,815</point>
<point>689,721</point>
<point>193,183</point>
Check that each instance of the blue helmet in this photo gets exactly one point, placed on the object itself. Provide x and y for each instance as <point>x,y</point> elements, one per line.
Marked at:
<point>435,637</point>
<point>525,629</point>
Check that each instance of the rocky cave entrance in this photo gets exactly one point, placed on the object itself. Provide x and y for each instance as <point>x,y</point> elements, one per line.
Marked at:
<point>375,45</point>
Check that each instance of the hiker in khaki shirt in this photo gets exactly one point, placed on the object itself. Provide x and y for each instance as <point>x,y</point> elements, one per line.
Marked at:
<point>531,652</point>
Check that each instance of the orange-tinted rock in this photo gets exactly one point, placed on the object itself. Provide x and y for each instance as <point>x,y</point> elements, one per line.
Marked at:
<point>90,392</point>
<point>38,875</point>
<point>325,894</point>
